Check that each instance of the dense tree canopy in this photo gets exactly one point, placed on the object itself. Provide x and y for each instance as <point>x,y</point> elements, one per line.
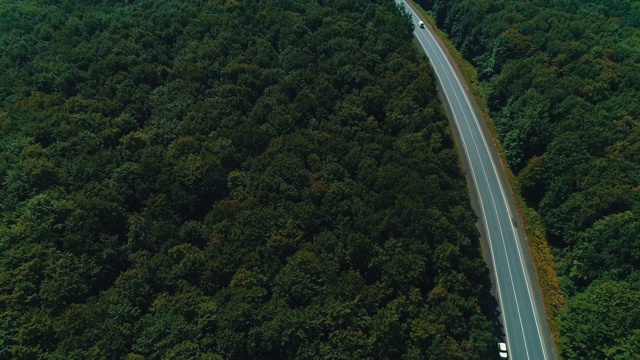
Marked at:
<point>229,180</point>
<point>611,309</point>
<point>564,87</point>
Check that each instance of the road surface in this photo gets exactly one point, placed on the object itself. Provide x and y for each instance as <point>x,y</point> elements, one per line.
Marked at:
<point>527,333</point>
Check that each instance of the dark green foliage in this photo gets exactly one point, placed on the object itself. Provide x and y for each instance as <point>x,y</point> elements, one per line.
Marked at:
<point>229,180</point>
<point>564,89</point>
<point>602,323</point>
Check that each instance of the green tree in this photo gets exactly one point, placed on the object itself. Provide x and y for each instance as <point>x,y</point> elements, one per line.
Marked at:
<point>602,322</point>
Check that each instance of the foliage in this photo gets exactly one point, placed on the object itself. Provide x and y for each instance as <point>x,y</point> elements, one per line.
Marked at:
<point>602,322</point>
<point>229,179</point>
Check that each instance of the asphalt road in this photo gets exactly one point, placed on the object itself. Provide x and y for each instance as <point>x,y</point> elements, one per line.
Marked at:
<point>527,334</point>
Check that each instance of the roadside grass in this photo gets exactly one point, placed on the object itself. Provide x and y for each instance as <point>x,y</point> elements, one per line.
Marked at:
<point>552,296</point>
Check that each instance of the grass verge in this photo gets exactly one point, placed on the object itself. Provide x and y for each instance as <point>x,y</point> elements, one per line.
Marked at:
<point>552,296</point>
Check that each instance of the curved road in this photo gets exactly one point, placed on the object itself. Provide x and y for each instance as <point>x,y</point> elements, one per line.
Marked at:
<point>527,334</point>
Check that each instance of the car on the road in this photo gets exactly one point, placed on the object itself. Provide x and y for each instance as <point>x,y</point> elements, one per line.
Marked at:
<point>421,24</point>
<point>503,350</point>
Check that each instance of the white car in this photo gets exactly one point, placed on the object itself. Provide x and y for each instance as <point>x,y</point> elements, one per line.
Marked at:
<point>421,24</point>
<point>503,350</point>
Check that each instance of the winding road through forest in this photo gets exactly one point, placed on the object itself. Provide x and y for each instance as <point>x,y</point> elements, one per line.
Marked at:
<point>527,333</point>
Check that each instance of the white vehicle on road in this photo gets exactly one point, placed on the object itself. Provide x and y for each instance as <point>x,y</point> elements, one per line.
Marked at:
<point>421,24</point>
<point>503,350</point>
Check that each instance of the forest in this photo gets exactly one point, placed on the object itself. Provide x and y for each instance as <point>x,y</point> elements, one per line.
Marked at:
<point>564,91</point>
<point>233,179</point>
